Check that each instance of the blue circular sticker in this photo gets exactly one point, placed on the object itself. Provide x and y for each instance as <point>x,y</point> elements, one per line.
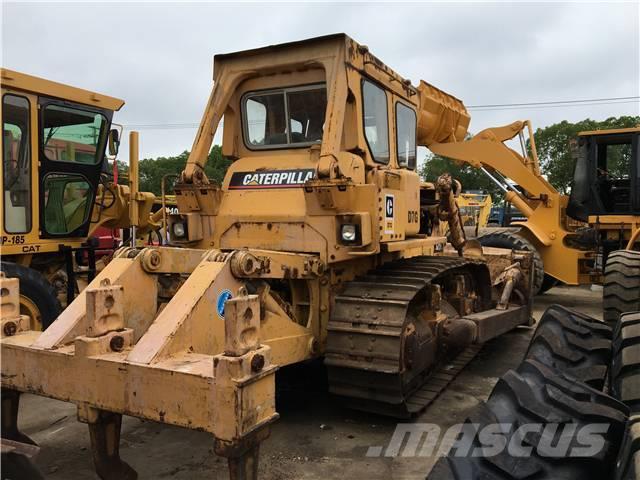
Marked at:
<point>222,299</point>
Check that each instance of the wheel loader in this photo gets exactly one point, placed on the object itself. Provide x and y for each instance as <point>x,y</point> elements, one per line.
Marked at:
<point>321,242</point>
<point>572,236</point>
<point>606,194</point>
<point>57,189</point>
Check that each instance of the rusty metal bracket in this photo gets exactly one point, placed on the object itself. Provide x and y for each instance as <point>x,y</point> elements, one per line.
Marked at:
<point>509,277</point>
<point>167,363</point>
<point>11,321</point>
<point>244,388</point>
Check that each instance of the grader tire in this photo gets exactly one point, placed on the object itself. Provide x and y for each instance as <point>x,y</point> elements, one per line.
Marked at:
<point>511,240</point>
<point>621,291</point>
<point>625,367</point>
<point>535,394</point>
<point>572,343</point>
<point>36,289</point>
<point>628,465</point>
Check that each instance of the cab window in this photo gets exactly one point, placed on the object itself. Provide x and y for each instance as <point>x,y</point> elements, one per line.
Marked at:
<point>285,117</point>
<point>613,173</point>
<point>16,164</point>
<point>67,202</point>
<point>72,135</point>
<point>406,136</point>
<point>376,125</point>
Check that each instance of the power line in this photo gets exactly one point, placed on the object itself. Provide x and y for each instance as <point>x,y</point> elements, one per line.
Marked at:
<point>559,103</point>
<point>562,105</point>
<point>479,108</point>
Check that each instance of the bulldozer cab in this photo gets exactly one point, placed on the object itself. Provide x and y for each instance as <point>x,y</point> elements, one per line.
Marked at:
<point>607,174</point>
<point>297,116</point>
<point>53,152</point>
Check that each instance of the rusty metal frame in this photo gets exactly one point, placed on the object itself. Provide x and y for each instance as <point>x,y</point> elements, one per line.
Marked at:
<point>113,355</point>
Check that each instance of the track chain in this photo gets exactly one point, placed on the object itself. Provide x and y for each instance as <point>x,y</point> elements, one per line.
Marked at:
<point>364,340</point>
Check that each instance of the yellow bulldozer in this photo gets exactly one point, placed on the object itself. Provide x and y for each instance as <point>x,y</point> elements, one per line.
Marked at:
<point>57,189</point>
<point>320,242</point>
<point>475,208</point>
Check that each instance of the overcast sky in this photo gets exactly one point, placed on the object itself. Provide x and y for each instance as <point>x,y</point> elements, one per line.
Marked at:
<point>158,56</point>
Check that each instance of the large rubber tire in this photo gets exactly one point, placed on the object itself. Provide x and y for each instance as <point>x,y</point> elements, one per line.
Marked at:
<point>628,465</point>
<point>535,394</point>
<point>512,241</point>
<point>621,291</point>
<point>37,289</point>
<point>572,343</point>
<point>19,467</point>
<point>624,380</point>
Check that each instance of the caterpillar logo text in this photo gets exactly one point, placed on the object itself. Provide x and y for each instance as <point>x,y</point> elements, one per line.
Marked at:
<point>271,179</point>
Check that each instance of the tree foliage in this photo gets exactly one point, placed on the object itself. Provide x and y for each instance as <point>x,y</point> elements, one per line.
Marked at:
<point>471,178</point>
<point>554,153</point>
<point>151,170</point>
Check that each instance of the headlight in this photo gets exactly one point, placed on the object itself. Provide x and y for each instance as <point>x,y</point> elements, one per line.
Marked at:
<point>348,232</point>
<point>178,230</point>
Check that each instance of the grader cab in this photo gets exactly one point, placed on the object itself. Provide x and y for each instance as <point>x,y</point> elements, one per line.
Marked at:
<point>57,188</point>
<point>315,245</point>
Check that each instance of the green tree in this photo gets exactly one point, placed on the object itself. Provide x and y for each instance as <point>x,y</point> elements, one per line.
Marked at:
<point>553,145</point>
<point>217,164</point>
<point>471,178</point>
<point>123,172</point>
<point>151,170</point>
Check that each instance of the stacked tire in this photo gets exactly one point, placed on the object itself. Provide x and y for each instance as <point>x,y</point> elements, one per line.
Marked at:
<point>572,362</point>
<point>624,376</point>
<point>536,396</point>
<point>621,292</point>
<point>624,385</point>
<point>629,458</point>
<point>573,343</point>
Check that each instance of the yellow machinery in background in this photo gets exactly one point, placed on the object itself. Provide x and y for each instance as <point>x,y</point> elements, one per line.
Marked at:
<point>57,188</point>
<point>571,237</point>
<point>475,208</point>
<point>606,194</point>
<point>320,242</point>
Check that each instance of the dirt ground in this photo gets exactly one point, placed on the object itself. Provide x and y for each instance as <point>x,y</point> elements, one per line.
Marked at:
<point>315,437</point>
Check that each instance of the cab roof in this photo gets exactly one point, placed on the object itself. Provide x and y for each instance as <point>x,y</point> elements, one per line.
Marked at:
<point>612,131</point>
<point>307,50</point>
<point>283,46</point>
<point>41,86</point>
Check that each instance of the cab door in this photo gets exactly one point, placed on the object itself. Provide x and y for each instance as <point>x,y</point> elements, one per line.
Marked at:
<point>72,144</point>
<point>19,206</point>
